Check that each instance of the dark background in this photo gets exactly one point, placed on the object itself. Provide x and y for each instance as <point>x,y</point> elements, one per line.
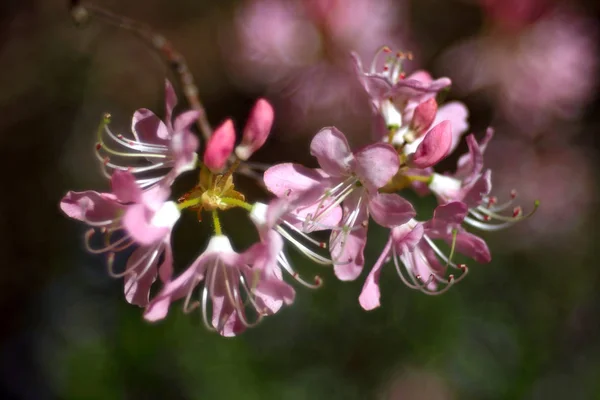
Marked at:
<point>525,326</point>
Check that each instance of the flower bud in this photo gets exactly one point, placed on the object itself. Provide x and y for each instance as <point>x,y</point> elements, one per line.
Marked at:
<point>424,116</point>
<point>257,129</point>
<point>220,146</point>
<point>434,147</point>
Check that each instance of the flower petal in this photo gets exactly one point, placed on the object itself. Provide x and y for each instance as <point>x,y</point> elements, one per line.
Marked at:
<point>457,113</point>
<point>390,209</point>
<point>124,187</point>
<point>405,238</point>
<point>451,213</point>
<point>220,146</point>
<point>141,277</point>
<point>257,129</point>
<point>471,164</point>
<point>434,147</point>
<point>174,290</point>
<point>148,128</point>
<point>370,295</point>
<point>347,247</point>
<point>375,165</point>
<point>137,223</point>
<point>185,120</point>
<point>170,102</point>
<point>424,115</point>
<point>472,246</point>
<point>332,151</point>
<point>287,179</point>
<point>473,194</point>
<point>90,206</point>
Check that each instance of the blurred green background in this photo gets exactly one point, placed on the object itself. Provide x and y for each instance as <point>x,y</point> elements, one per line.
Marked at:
<point>525,326</point>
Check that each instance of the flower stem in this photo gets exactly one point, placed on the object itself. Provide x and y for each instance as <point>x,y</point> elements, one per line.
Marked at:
<point>216,222</point>
<point>237,203</point>
<point>418,178</point>
<point>189,203</point>
<point>81,12</point>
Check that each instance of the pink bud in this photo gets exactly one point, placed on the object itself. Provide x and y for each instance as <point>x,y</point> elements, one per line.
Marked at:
<point>434,147</point>
<point>424,115</point>
<point>257,129</point>
<point>220,146</point>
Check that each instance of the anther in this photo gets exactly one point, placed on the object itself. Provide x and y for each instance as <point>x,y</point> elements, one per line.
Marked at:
<point>517,211</point>
<point>486,217</point>
<point>462,267</point>
<point>387,50</point>
<point>318,280</point>
<point>513,194</point>
<point>98,146</point>
<point>450,278</point>
<point>402,75</point>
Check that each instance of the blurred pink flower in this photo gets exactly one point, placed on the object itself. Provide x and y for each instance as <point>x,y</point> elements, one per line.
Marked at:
<point>541,72</point>
<point>561,177</point>
<point>300,49</point>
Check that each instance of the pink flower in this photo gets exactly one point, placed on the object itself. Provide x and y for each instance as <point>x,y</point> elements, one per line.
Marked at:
<point>220,147</point>
<point>538,71</point>
<point>285,217</point>
<point>230,281</point>
<point>299,50</point>
<point>129,216</point>
<point>424,264</point>
<point>472,185</point>
<point>404,108</point>
<point>351,179</point>
<point>168,148</point>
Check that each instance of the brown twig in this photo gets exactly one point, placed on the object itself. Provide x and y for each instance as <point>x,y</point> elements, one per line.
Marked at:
<point>81,13</point>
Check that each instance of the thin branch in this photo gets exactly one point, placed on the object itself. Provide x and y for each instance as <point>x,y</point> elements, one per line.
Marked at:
<point>82,12</point>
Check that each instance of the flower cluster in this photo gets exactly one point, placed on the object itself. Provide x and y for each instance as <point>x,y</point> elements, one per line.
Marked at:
<point>236,290</point>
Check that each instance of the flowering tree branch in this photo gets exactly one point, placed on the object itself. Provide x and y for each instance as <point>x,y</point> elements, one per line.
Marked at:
<point>81,12</point>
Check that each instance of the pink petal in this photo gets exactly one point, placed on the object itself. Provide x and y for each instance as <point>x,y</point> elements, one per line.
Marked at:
<point>288,179</point>
<point>172,291</point>
<point>411,89</point>
<point>185,120</point>
<point>257,129</point>
<point>472,246</point>
<point>471,164</point>
<point>370,295</point>
<point>148,128</point>
<point>183,146</point>
<point>348,253</point>
<point>139,281</point>
<point>434,147</point>
<point>390,209</point>
<point>375,165</point>
<point>457,113</point>
<point>90,206</point>
<point>220,146</point>
<point>475,192</point>
<point>424,115</point>
<point>125,187</point>
<point>405,238</point>
<point>332,151</point>
<point>170,102</point>
<point>165,269</point>
<point>451,213</point>
<point>137,223</point>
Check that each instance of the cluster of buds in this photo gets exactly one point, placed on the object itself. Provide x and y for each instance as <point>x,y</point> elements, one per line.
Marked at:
<point>236,290</point>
